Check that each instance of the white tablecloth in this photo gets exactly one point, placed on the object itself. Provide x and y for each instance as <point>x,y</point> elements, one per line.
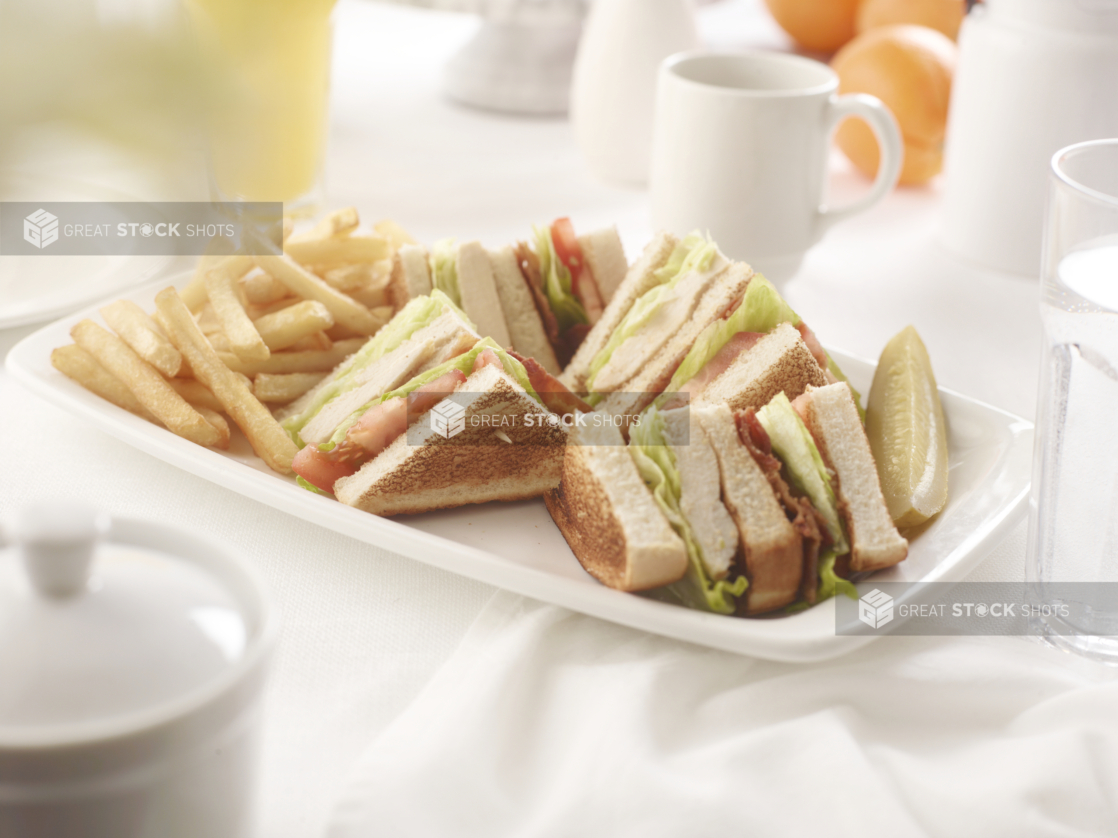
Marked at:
<point>364,630</point>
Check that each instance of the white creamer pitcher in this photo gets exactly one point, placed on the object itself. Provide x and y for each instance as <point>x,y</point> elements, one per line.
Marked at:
<point>1033,76</point>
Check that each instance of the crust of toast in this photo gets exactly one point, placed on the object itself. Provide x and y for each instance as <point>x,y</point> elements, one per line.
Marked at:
<point>422,470</point>
<point>833,421</point>
<point>639,279</point>
<point>608,516</point>
<point>604,254</point>
<point>780,361</point>
<point>771,554</point>
<point>525,327</point>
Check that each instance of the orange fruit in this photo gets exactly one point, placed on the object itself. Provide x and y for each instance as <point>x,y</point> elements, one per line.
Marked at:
<point>909,68</point>
<point>819,25</point>
<point>942,15</point>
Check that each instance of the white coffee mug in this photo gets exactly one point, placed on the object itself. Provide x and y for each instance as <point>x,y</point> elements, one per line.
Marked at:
<point>740,150</point>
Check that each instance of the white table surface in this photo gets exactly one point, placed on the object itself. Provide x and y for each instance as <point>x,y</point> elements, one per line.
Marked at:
<point>365,629</point>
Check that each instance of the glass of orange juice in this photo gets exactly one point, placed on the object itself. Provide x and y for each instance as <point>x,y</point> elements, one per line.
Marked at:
<point>269,70</point>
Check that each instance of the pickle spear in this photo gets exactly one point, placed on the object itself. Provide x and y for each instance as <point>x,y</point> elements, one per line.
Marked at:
<point>907,431</point>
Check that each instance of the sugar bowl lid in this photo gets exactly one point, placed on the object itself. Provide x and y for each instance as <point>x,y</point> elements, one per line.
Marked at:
<point>103,622</point>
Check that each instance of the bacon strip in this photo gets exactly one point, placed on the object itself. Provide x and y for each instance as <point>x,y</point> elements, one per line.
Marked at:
<point>556,397</point>
<point>800,511</point>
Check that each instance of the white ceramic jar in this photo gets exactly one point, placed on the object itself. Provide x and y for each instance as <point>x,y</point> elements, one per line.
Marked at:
<point>1033,76</point>
<point>613,88</point>
<point>132,659</point>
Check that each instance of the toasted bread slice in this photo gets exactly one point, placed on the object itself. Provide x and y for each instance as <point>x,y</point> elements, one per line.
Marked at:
<point>700,492</point>
<point>442,339</point>
<point>832,418</point>
<point>657,372</point>
<point>526,331</point>
<point>605,256</point>
<point>609,517</point>
<point>780,361</point>
<point>411,275</point>
<point>499,455</point>
<point>639,279</point>
<point>771,549</point>
<point>478,291</point>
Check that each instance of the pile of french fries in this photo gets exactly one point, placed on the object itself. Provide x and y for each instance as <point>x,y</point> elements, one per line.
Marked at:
<point>245,332</point>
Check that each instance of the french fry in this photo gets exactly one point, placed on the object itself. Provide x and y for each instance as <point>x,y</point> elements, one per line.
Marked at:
<point>142,333</point>
<point>281,389</point>
<point>311,342</point>
<point>256,312</point>
<point>288,227</point>
<point>337,250</point>
<point>290,325</point>
<point>260,289</point>
<point>285,362</point>
<point>347,277</point>
<point>397,236</point>
<point>194,294</point>
<point>345,309</point>
<point>146,384</point>
<point>268,439</point>
<point>219,342</point>
<point>219,424</point>
<point>196,393</point>
<point>337,223</point>
<point>74,362</point>
<point>339,332</point>
<point>246,342</point>
<point>371,297</point>
<point>207,320</point>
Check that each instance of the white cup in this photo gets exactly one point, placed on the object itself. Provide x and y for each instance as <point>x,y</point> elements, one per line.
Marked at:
<point>740,150</point>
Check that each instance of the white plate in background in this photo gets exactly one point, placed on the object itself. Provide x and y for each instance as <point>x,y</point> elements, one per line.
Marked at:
<point>42,287</point>
<point>516,546</point>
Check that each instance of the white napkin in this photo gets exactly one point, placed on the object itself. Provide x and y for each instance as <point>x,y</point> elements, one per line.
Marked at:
<point>550,723</point>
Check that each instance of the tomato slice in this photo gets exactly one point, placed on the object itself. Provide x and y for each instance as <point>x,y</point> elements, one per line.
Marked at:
<point>568,249</point>
<point>583,284</point>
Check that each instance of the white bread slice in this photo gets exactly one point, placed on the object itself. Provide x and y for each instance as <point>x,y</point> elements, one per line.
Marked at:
<point>478,291</point>
<point>833,421</point>
<point>521,317</point>
<point>780,361</point>
<point>772,550</point>
<point>498,456</point>
<point>675,308</point>
<point>657,373</point>
<point>443,338</point>
<point>609,517</point>
<point>605,256</point>
<point>411,275</point>
<point>640,278</point>
<point>699,497</point>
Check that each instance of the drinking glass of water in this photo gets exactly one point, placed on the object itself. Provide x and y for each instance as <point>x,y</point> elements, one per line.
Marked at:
<point>1073,514</point>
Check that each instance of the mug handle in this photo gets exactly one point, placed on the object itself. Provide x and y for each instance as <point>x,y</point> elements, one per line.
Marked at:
<point>888,135</point>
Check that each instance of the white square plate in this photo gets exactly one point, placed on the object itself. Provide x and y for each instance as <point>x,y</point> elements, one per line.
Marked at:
<point>516,545</point>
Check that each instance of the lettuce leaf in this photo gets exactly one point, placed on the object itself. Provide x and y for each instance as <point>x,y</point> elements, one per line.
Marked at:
<point>417,314</point>
<point>657,467</point>
<point>310,487</point>
<point>762,309</point>
<point>444,269</point>
<point>694,253</point>
<point>793,443</point>
<point>557,284</point>
<point>830,583</point>
<point>463,363</point>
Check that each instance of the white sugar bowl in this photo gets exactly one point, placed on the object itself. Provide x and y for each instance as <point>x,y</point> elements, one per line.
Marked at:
<point>132,661</point>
